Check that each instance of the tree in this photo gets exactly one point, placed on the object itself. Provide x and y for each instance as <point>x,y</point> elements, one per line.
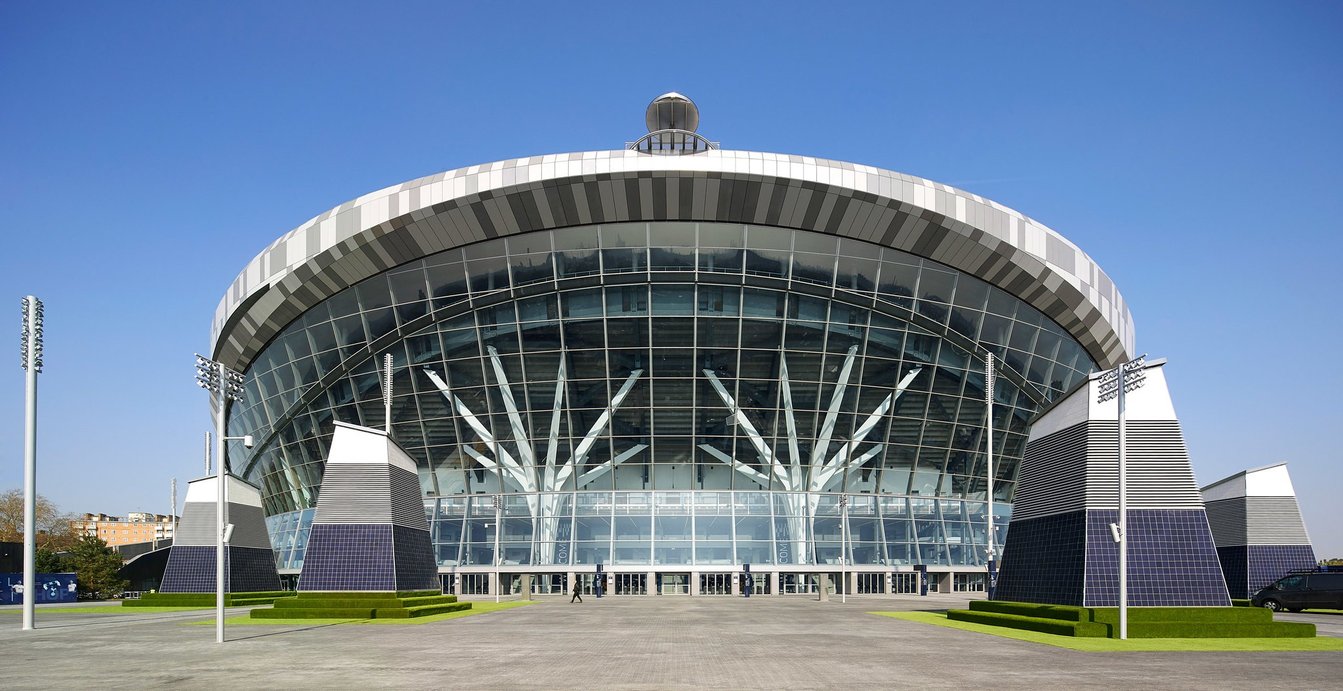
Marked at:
<point>96,567</point>
<point>47,561</point>
<point>54,530</point>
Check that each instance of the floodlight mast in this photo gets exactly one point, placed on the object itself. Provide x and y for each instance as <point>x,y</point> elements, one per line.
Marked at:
<point>990,379</point>
<point>1116,383</point>
<point>31,351</point>
<point>225,385</point>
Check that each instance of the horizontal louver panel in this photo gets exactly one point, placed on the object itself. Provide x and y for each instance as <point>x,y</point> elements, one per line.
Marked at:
<point>355,493</point>
<point>1227,520</point>
<point>1274,521</point>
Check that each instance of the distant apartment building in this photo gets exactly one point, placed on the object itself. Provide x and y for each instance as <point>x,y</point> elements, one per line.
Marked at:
<point>135,527</point>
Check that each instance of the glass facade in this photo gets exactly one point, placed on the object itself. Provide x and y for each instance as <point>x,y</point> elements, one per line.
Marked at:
<point>667,393</point>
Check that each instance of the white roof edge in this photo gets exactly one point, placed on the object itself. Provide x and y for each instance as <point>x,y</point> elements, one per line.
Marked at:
<point>440,187</point>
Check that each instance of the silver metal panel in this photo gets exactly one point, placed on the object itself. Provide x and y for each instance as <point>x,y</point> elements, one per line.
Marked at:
<point>356,244</point>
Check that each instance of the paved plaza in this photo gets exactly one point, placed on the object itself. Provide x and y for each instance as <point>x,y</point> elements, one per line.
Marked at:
<point>615,642</point>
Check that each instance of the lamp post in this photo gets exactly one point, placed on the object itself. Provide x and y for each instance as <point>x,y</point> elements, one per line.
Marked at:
<point>225,385</point>
<point>32,365</point>
<point>990,380</point>
<point>498,526</point>
<point>843,546</point>
<point>1116,383</point>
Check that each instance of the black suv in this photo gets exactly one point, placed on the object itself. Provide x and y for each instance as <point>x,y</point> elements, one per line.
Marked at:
<point>1298,591</point>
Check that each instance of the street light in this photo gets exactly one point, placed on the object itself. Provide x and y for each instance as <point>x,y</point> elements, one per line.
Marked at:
<point>843,546</point>
<point>225,385</point>
<point>1115,383</point>
<point>498,526</point>
<point>31,351</point>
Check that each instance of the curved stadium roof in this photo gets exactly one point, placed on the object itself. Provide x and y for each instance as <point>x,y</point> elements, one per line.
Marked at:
<point>397,224</point>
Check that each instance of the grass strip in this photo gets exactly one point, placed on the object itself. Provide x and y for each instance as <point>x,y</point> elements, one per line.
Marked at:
<point>476,608</point>
<point>112,609</point>
<point>1107,645</point>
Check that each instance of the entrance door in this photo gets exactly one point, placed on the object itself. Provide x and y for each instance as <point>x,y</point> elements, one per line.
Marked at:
<point>631,584</point>
<point>715,584</point>
<point>797,583</point>
<point>674,583</point>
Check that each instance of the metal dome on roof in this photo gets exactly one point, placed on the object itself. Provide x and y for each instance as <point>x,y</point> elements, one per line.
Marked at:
<point>672,111</point>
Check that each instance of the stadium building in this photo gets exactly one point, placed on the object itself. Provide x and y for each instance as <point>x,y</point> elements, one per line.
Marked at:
<point>670,360</point>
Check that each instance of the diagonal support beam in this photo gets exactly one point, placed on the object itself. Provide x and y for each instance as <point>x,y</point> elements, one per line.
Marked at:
<point>581,452</point>
<point>832,413</point>
<point>794,481</point>
<point>761,448</point>
<point>511,406</point>
<point>600,470</point>
<point>506,460</point>
<point>737,465</point>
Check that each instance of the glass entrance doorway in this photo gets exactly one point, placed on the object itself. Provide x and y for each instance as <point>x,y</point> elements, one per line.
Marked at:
<point>797,583</point>
<point>550,584</point>
<point>631,584</point>
<point>872,583</point>
<point>715,583</point>
<point>905,583</point>
<point>673,583</point>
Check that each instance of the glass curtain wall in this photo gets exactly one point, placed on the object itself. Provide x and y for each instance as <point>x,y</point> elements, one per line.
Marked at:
<point>667,393</point>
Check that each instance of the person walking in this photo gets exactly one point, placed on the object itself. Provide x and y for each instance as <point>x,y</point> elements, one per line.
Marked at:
<point>578,592</point>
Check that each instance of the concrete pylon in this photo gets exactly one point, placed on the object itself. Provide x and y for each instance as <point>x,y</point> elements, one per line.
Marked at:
<point>1060,548</point>
<point>369,532</point>
<point>250,565</point>
<point>1257,526</point>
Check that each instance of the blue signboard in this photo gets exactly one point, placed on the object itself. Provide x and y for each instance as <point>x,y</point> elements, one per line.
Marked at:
<point>51,587</point>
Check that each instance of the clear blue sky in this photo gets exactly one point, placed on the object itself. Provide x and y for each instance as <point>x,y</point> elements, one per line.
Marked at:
<point>150,149</point>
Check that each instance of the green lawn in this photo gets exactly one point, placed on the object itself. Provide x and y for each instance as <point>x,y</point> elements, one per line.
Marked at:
<point>476,608</point>
<point>1105,645</point>
<point>108,609</point>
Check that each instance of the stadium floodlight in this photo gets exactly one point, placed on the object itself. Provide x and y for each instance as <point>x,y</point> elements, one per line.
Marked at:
<point>31,351</point>
<point>224,385</point>
<point>1116,383</point>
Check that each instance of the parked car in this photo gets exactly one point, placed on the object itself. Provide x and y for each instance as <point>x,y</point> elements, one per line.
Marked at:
<point>1302,590</point>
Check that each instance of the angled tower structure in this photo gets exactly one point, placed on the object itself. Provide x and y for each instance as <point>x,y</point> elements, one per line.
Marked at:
<point>370,532</point>
<point>1060,548</point>
<point>1257,526</point>
<point>250,561</point>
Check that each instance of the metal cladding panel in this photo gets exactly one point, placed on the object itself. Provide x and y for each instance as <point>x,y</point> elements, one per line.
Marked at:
<point>1267,563</point>
<point>1274,521</point>
<point>1044,559</point>
<point>1235,564</point>
<point>407,500</point>
<point>1172,561</point>
<point>197,526</point>
<point>1226,517</point>
<point>355,493</point>
<point>370,234</point>
<point>349,558</point>
<point>249,527</point>
<point>1078,468</point>
<point>1053,475</point>
<point>416,568</point>
<point>191,569</point>
<point>1159,473</point>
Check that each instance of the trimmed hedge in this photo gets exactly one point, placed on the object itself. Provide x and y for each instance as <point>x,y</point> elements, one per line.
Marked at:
<point>362,605</point>
<point>1057,627</point>
<point>312,614</point>
<point>207,599</point>
<point>1143,622</point>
